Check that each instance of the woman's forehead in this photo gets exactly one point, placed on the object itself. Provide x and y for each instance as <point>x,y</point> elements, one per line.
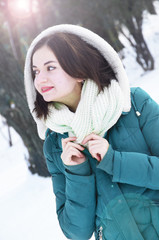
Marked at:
<point>43,55</point>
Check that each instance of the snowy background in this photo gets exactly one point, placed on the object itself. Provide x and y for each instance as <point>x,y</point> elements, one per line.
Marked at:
<point>27,205</point>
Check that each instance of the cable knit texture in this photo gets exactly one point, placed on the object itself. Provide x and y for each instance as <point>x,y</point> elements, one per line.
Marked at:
<point>95,112</point>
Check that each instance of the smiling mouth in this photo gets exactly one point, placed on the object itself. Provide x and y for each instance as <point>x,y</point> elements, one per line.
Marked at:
<point>46,89</point>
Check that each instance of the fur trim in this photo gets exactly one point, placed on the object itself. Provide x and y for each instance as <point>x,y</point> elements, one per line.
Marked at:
<point>93,39</point>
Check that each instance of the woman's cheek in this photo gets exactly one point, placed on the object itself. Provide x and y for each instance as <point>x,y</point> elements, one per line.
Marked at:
<point>35,84</point>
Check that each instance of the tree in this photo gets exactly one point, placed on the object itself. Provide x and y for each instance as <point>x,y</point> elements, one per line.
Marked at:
<point>12,96</point>
<point>17,28</point>
<point>14,108</point>
<point>129,13</point>
<point>12,31</point>
<point>107,19</point>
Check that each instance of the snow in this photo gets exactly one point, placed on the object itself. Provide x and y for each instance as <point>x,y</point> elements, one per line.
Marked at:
<point>149,80</point>
<point>27,204</point>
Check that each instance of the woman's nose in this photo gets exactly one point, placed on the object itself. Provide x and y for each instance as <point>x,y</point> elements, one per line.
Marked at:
<point>42,77</point>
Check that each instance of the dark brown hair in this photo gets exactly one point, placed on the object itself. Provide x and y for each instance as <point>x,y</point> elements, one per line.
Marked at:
<point>78,59</point>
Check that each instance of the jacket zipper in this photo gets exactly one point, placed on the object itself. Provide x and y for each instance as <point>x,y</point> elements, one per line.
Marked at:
<point>100,234</point>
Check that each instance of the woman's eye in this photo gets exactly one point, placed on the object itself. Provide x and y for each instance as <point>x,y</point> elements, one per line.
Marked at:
<point>50,68</point>
<point>35,72</point>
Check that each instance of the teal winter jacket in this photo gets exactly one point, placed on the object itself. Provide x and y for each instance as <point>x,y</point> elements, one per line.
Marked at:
<point>118,198</point>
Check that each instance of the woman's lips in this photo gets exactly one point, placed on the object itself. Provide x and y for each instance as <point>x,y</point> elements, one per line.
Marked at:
<point>46,89</point>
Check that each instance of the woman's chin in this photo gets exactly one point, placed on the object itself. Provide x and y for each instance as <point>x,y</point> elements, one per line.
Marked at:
<point>47,99</point>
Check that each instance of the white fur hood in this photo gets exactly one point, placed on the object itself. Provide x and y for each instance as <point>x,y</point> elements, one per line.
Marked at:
<point>93,39</point>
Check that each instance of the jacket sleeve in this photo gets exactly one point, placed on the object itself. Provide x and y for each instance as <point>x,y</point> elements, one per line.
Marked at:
<point>136,168</point>
<point>75,200</point>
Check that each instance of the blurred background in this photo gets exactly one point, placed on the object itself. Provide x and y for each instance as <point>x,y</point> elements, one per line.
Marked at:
<point>27,205</point>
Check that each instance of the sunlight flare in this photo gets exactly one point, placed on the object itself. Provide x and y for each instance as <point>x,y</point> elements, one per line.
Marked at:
<point>22,8</point>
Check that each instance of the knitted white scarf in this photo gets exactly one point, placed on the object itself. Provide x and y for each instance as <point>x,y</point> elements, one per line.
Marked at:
<point>95,112</point>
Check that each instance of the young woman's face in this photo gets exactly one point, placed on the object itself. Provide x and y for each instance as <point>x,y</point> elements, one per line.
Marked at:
<point>51,81</point>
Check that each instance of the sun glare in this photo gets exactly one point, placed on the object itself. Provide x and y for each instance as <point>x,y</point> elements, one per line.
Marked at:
<point>22,8</point>
<point>22,5</point>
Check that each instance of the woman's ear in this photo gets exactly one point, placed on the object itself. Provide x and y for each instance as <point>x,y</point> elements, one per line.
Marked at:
<point>81,80</point>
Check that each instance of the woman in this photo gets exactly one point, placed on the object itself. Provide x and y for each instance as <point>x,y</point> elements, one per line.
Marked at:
<point>101,140</point>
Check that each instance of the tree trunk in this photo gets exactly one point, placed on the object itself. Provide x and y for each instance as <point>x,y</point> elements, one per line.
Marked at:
<point>13,36</point>
<point>143,55</point>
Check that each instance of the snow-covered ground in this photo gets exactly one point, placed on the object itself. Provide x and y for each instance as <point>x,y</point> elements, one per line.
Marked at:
<point>27,205</point>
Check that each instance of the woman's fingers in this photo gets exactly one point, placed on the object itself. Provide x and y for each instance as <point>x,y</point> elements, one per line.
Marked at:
<point>91,136</point>
<point>97,145</point>
<point>97,156</point>
<point>93,142</point>
<point>66,140</point>
<point>72,154</point>
<point>75,145</point>
<point>94,151</point>
<point>72,157</point>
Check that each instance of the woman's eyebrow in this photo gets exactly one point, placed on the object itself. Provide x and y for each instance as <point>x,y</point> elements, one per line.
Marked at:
<point>49,62</point>
<point>45,63</point>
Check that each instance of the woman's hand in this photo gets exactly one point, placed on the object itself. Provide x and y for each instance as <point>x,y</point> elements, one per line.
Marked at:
<point>71,154</point>
<point>97,146</point>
